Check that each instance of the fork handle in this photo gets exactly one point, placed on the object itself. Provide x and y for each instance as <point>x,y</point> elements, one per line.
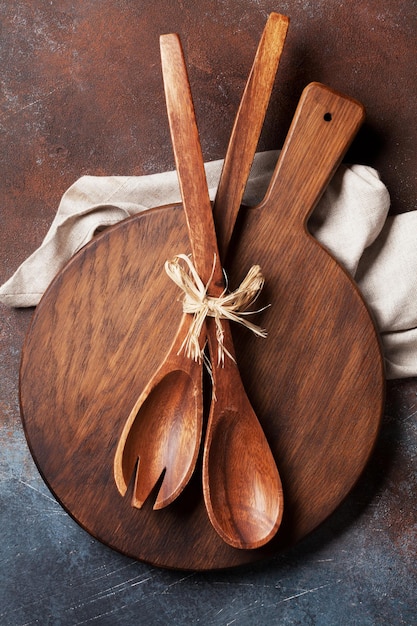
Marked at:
<point>189,163</point>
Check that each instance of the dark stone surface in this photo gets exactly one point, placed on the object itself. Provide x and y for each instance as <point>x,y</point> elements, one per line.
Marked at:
<point>81,92</point>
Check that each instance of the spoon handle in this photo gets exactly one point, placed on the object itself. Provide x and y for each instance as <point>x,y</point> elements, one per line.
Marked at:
<point>247,128</point>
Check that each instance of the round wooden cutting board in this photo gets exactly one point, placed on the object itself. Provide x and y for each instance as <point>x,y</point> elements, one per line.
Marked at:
<point>103,327</point>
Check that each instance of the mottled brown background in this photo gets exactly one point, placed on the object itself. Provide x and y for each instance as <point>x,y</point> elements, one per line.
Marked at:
<point>81,92</point>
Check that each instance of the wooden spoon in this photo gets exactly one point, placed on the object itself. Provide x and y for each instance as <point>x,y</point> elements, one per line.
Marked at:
<point>248,505</point>
<point>161,437</point>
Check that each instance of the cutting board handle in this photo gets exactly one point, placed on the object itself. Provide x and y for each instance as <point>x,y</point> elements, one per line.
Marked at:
<point>323,127</point>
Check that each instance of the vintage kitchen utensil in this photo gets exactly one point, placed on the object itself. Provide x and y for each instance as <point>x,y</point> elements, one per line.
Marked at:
<point>163,430</point>
<point>244,494</point>
<point>318,390</point>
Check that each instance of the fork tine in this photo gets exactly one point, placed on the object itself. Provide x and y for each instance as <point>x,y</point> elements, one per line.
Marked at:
<point>147,480</point>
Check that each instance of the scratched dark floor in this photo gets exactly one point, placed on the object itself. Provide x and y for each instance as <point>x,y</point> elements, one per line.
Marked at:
<point>80,93</point>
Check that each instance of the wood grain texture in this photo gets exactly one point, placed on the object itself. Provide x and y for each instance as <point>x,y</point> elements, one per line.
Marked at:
<point>165,436</point>
<point>96,339</point>
<point>45,147</point>
<point>317,390</point>
<point>247,128</point>
<point>242,488</point>
<point>160,440</point>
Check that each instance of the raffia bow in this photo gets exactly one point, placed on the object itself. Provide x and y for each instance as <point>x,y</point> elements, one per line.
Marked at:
<point>231,306</point>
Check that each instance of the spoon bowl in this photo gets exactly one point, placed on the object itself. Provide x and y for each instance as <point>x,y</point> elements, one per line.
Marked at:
<point>241,484</point>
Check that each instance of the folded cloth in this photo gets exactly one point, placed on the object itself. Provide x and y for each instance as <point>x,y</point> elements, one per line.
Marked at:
<point>351,221</point>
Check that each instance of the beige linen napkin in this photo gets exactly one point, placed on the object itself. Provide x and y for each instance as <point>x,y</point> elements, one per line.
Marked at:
<point>350,220</point>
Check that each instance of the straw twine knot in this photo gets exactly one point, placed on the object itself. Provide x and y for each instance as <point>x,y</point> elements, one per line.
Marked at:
<point>231,306</point>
